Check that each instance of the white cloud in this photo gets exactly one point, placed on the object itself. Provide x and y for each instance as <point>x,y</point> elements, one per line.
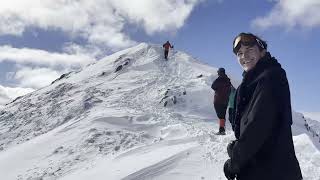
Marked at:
<point>291,14</point>
<point>156,16</point>
<point>8,94</point>
<point>82,50</point>
<point>41,57</point>
<point>36,77</point>
<point>3,98</point>
<point>99,21</point>
<point>28,62</point>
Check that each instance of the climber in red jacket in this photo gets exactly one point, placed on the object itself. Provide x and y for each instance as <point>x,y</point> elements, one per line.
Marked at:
<point>166,47</point>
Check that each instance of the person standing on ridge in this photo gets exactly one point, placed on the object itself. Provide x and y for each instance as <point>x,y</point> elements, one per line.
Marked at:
<point>166,47</point>
<point>221,86</point>
<point>263,148</point>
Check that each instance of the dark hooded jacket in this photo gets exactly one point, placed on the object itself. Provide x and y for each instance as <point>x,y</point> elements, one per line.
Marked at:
<point>221,86</point>
<point>264,149</point>
<point>167,46</point>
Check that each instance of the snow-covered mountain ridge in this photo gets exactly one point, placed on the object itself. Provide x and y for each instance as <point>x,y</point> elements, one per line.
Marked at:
<point>131,115</point>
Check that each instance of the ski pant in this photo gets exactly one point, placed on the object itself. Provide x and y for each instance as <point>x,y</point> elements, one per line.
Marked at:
<point>221,110</point>
<point>166,52</point>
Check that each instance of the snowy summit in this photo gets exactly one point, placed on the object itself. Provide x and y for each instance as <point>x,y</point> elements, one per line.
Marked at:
<point>131,116</point>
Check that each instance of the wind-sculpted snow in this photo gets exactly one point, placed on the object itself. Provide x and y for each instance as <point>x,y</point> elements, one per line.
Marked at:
<point>131,115</point>
<point>90,145</point>
<point>37,114</point>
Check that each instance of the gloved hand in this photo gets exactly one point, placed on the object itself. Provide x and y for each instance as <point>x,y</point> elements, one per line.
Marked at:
<point>227,172</point>
<point>230,147</point>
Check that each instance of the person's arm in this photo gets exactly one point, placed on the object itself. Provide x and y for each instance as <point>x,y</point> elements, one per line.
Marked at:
<point>261,121</point>
<point>215,84</point>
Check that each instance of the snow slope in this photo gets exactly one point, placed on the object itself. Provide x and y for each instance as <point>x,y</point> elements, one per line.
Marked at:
<point>129,116</point>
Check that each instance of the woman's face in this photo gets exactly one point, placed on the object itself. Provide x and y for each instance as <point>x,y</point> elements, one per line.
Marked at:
<point>248,56</point>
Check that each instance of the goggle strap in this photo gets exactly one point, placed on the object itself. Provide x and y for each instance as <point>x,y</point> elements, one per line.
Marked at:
<point>260,43</point>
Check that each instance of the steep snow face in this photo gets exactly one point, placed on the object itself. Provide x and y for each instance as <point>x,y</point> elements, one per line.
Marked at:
<point>117,103</point>
<point>308,156</point>
<point>131,115</point>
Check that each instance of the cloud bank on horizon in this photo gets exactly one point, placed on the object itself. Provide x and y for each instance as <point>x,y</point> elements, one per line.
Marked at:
<point>101,23</point>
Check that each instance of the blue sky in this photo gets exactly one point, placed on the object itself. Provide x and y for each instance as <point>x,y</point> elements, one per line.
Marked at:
<point>41,40</point>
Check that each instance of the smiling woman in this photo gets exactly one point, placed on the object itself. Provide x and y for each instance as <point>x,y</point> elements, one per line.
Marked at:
<point>249,49</point>
<point>262,117</point>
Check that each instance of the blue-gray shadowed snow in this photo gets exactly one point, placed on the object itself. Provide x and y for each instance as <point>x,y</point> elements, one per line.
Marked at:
<point>131,115</point>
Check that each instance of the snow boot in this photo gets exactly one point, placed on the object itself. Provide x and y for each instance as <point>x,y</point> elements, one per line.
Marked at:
<point>222,131</point>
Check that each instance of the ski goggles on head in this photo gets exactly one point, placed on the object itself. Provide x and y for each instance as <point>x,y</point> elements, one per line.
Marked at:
<point>246,40</point>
